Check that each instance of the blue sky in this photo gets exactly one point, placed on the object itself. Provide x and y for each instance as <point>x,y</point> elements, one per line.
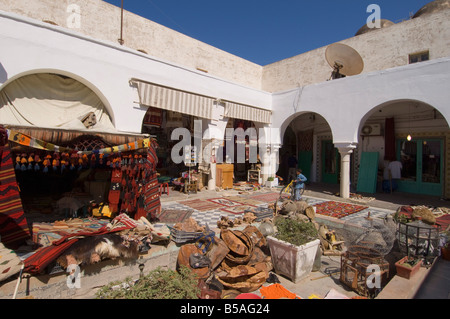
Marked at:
<point>266,31</point>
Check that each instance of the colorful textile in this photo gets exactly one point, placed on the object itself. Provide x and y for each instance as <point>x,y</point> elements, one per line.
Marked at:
<point>151,197</point>
<point>45,234</point>
<point>276,291</point>
<point>14,228</point>
<point>337,209</point>
<point>224,202</point>
<point>201,205</point>
<point>10,263</point>
<point>29,141</point>
<point>267,197</point>
<point>37,262</point>
<point>173,216</point>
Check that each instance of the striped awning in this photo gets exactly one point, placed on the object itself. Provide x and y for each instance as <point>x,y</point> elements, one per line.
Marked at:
<point>171,99</point>
<point>246,112</point>
<point>154,95</point>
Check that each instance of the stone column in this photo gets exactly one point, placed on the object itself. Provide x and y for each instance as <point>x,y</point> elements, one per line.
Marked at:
<point>345,149</point>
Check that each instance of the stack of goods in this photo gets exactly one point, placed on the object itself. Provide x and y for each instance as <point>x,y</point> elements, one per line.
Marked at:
<point>237,261</point>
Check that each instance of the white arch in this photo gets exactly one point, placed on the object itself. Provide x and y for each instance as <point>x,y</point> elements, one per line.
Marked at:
<point>72,75</point>
<point>345,103</point>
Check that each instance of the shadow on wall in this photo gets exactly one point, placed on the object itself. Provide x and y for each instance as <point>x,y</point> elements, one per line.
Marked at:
<point>3,74</point>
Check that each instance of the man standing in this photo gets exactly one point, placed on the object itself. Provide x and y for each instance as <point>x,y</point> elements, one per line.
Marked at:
<point>395,171</point>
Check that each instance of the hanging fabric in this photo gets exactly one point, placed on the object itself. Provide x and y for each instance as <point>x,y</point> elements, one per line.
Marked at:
<point>14,228</point>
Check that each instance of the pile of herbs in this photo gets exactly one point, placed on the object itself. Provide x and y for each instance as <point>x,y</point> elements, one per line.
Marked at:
<point>295,232</point>
<point>157,284</point>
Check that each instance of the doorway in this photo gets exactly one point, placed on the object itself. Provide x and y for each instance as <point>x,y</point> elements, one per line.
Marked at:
<point>422,162</point>
<point>330,162</point>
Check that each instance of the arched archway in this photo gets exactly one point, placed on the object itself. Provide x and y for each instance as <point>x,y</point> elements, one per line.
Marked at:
<point>414,134</point>
<point>53,98</point>
<point>309,138</point>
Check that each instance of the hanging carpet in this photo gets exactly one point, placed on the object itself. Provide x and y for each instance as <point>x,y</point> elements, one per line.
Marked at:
<point>14,229</point>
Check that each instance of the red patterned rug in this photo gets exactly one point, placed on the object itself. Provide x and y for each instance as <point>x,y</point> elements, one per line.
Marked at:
<point>201,205</point>
<point>224,201</point>
<point>266,197</point>
<point>337,209</point>
<point>173,216</point>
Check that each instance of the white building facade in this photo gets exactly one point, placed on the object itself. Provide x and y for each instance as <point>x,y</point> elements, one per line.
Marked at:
<point>332,126</point>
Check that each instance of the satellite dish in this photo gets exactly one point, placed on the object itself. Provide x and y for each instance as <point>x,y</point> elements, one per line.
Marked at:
<point>344,60</point>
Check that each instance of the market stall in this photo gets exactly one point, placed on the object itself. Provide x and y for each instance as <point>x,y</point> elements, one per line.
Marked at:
<point>56,195</point>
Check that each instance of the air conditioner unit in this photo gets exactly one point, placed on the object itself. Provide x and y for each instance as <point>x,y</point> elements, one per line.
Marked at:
<point>371,129</point>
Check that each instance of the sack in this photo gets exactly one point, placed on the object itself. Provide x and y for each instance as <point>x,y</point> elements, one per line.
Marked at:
<point>102,211</point>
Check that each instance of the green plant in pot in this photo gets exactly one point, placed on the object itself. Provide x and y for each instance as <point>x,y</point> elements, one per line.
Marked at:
<point>295,232</point>
<point>293,247</point>
<point>408,266</point>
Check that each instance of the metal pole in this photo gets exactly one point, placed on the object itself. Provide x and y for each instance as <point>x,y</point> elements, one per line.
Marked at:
<point>121,41</point>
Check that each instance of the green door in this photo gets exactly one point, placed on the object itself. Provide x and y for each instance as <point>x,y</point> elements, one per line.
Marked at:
<point>368,171</point>
<point>304,162</point>
<point>422,162</point>
<point>330,163</point>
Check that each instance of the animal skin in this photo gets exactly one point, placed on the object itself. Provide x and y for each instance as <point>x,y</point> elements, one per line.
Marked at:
<point>91,250</point>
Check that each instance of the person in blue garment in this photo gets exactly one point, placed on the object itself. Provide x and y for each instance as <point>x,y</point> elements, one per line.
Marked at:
<point>299,184</point>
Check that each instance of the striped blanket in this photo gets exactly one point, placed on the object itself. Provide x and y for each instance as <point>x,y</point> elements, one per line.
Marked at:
<point>14,228</point>
<point>37,262</point>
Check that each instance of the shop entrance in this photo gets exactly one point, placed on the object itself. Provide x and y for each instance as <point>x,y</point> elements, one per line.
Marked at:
<point>330,162</point>
<point>422,162</point>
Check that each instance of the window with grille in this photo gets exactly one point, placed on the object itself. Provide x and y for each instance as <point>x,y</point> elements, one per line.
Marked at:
<point>419,57</point>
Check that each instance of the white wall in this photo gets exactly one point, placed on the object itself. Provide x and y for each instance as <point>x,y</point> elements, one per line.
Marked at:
<point>347,103</point>
<point>106,68</point>
<point>101,20</point>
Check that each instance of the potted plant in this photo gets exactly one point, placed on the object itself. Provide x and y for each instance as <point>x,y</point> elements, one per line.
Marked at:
<point>408,266</point>
<point>272,181</point>
<point>293,248</point>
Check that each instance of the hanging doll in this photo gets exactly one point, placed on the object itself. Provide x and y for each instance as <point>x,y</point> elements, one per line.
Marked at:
<point>37,161</point>
<point>73,161</point>
<point>17,167</point>
<point>47,163</point>
<point>23,162</point>
<point>93,160</point>
<point>30,162</point>
<point>56,161</point>
<point>64,161</point>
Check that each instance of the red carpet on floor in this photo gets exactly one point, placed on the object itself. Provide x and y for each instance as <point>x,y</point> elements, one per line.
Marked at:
<point>337,209</point>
